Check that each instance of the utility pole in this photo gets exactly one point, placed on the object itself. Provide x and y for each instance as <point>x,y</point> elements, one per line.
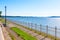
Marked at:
<point>5,16</point>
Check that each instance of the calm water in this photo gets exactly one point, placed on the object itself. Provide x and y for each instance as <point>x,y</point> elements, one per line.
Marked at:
<point>51,22</point>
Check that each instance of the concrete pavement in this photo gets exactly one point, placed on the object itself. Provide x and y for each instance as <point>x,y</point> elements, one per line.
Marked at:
<point>1,33</point>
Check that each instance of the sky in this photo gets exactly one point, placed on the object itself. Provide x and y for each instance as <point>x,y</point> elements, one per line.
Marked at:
<point>31,7</point>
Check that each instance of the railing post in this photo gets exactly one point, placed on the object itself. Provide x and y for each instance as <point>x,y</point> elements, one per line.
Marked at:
<point>40,29</point>
<point>35,27</point>
<point>28,25</point>
<point>47,31</point>
<point>55,32</point>
<point>31,26</point>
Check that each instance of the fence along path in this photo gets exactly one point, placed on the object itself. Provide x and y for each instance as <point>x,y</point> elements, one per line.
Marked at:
<point>54,31</point>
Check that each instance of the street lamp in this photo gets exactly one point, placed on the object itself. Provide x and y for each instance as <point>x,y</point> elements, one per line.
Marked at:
<point>5,16</point>
<point>0,13</point>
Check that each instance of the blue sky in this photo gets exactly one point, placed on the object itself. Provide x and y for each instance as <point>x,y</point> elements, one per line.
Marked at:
<point>31,7</point>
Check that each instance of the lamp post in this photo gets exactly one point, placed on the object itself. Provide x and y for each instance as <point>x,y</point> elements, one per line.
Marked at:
<point>5,16</point>
<point>0,13</point>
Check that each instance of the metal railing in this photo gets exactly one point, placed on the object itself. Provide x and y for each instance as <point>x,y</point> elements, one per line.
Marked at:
<point>52,31</point>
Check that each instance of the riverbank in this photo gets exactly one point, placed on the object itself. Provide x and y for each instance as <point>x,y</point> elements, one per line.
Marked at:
<point>33,31</point>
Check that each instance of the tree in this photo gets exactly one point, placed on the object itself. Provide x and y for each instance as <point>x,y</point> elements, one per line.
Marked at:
<point>0,13</point>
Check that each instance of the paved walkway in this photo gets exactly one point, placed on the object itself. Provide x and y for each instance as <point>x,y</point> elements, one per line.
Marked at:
<point>5,33</point>
<point>1,33</point>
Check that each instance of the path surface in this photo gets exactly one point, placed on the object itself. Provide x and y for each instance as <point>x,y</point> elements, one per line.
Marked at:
<point>1,33</point>
<point>39,37</point>
<point>6,34</point>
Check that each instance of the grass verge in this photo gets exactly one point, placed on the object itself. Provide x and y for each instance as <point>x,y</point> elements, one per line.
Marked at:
<point>23,34</point>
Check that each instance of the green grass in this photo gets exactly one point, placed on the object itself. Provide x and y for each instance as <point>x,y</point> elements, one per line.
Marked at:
<point>23,34</point>
<point>2,20</point>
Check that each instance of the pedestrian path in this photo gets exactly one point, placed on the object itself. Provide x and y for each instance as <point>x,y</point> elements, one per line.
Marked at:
<point>1,33</point>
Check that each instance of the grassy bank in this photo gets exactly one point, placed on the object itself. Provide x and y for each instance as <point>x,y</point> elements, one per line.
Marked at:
<point>23,34</point>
